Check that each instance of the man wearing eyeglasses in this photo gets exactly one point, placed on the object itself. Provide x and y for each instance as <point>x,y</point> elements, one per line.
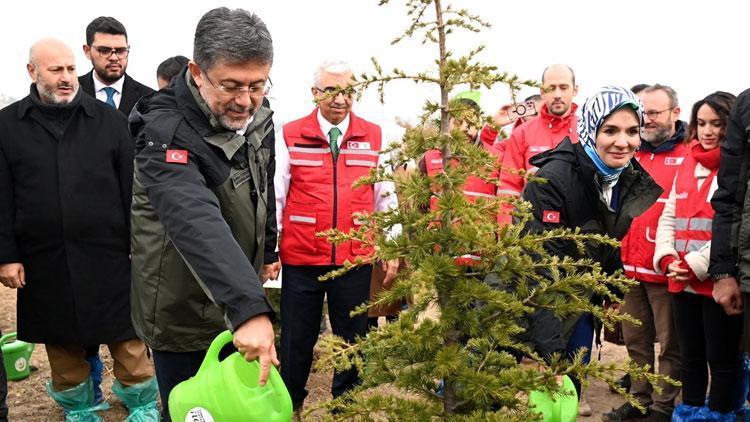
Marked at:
<point>203,212</point>
<point>661,153</point>
<point>319,157</point>
<point>107,48</point>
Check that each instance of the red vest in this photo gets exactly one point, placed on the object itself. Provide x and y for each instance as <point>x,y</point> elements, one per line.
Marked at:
<point>693,217</point>
<point>639,244</point>
<point>320,194</point>
<point>473,188</point>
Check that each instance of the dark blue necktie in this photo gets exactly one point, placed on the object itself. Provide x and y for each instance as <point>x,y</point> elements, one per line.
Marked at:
<point>110,96</point>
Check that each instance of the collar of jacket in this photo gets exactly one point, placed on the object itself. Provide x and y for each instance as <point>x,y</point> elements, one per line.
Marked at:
<point>669,144</point>
<point>215,134</point>
<point>557,123</point>
<point>637,188</point>
<point>33,101</point>
<point>312,129</point>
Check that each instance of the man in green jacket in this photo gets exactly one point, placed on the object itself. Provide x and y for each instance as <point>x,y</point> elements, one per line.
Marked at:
<point>203,212</point>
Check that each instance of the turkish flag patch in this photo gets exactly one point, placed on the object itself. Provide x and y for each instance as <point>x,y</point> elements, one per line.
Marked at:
<point>551,216</point>
<point>179,156</point>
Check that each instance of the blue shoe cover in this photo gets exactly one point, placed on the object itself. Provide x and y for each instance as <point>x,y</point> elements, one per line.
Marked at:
<point>140,399</point>
<point>78,402</point>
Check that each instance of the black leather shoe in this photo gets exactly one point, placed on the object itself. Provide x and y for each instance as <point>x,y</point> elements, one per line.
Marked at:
<point>625,412</point>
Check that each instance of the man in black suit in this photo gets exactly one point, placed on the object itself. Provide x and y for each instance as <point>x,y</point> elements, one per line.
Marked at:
<point>107,48</point>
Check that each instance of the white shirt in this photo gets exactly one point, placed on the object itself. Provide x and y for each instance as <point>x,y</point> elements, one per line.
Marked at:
<point>384,192</point>
<point>99,89</point>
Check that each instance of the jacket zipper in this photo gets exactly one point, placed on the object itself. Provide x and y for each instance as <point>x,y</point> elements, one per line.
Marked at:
<point>335,206</point>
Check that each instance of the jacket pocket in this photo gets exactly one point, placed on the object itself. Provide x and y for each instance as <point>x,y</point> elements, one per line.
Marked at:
<point>299,229</point>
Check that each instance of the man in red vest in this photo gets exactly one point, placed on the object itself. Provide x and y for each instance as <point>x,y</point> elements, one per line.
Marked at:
<point>318,158</point>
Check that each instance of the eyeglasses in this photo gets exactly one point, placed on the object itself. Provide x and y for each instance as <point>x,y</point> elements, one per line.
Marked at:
<point>120,52</point>
<point>258,90</point>
<point>653,114</point>
<point>332,92</point>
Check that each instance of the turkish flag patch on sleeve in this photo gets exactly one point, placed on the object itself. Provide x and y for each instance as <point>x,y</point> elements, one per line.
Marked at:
<point>551,216</point>
<point>179,156</point>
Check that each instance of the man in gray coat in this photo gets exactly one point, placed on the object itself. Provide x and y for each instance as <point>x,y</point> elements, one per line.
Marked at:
<point>203,214</point>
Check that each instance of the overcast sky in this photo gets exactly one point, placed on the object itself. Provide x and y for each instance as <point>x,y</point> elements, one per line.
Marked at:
<point>696,47</point>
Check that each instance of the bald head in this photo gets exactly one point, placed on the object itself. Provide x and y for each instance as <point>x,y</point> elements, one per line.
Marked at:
<point>52,68</point>
<point>560,70</point>
<point>558,89</point>
<point>48,47</point>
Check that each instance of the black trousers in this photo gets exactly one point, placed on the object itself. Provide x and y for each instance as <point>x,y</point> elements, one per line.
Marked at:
<point>707,335</point>
<point>301,308</point>
<point>172,368</point>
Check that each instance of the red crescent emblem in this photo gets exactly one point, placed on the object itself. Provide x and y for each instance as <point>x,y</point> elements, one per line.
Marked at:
<point>179,156</point>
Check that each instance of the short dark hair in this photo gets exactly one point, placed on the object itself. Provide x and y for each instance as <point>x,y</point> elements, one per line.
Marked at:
<point>720,102</point>
<point>232,36</point>
<point>638,88</point>
<point>169,68</point>
<point>104,25</point>
<point>667,90</point>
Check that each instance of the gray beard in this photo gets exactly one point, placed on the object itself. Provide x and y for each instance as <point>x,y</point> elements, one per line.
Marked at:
<point>658,137</point>
<point>50,97</point>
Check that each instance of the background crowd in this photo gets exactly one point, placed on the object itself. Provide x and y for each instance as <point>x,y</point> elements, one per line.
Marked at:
<point>148,221</point>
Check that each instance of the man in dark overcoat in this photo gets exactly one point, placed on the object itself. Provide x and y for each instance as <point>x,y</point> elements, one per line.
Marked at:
<point>66,165</point>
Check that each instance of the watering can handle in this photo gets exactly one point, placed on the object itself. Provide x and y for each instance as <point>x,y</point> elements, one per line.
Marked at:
<point>7,336</point>
<point>212,355</point>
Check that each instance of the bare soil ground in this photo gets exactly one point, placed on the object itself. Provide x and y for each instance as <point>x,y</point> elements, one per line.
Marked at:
<point>28,400</point>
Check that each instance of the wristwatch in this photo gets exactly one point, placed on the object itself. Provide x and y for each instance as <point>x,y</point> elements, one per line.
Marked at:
<point>721,276</point>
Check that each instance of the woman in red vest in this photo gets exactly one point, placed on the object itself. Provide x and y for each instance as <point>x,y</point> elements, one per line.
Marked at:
<point>706,334</point>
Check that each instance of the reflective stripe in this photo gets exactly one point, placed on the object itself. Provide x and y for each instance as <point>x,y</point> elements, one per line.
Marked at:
<point>703,224</point>
<point>679,245</point>
<point>641,270</point>
<point>437,161</point>
<point>508,192</point>
<point>302,219</point>
<point>301,150</point>
<point>680,223</point>
<point>647,271</point>
<point>364,163</point>
<point>662,200</point>
<point>695,245</point>
<point>482,194</point>
<point>306,163</point>
<point>361,152</point>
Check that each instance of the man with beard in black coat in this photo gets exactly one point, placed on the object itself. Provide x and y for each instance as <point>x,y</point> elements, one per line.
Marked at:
<point>66,164</point>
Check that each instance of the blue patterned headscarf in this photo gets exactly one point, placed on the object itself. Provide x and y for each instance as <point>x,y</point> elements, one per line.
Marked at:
<point>593,114</point>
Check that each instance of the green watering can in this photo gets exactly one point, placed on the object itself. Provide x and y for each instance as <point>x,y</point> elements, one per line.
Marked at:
<point>16,355</point>
<point>228,391</point>
<point>560,408</point>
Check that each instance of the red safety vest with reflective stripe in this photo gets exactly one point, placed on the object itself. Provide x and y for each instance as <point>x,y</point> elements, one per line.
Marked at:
<point>693,217</point>
<point>320,194</point>
<point>639,245</point>
<point>473,188</point>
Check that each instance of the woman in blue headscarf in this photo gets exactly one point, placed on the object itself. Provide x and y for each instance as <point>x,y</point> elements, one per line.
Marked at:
<point>594,185</point>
